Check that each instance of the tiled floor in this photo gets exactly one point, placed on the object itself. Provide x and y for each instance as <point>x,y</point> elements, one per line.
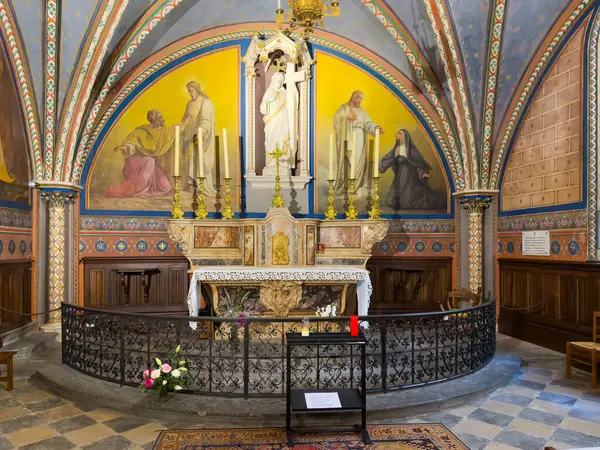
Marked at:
<point>538,408</point>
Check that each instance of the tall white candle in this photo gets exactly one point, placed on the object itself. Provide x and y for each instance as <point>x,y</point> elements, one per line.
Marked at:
<point>330,157</point>
<point>352,154</point>
<point>200,152</point>
<point>278,4</point>
<point>376,155</point>
<point>225,153</point>
<point>176,162</point>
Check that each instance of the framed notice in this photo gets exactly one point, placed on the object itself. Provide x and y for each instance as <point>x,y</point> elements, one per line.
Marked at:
<point>536,243</point>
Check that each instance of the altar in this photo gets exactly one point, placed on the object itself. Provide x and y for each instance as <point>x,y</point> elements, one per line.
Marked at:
<point>279,265</point>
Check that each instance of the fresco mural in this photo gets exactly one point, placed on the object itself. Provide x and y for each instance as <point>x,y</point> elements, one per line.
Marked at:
<point>134,166</point>
<point>412,178</point>
<point>14,165</point>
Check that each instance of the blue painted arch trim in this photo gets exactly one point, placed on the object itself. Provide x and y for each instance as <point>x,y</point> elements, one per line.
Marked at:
<point>243,44</point>
<point>584,144</point>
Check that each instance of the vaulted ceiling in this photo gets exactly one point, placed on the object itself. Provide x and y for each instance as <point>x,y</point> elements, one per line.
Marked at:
<point>378,25</point>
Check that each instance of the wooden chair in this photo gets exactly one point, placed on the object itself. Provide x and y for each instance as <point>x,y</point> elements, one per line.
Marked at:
<point>586,352</point>
<point>454,298</point>
<point>7,358</point>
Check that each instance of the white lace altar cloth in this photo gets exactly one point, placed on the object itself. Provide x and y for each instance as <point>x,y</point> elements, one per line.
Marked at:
<point>364,289</point>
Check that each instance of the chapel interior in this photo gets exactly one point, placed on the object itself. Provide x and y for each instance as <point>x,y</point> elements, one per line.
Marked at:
<point>252,224</point>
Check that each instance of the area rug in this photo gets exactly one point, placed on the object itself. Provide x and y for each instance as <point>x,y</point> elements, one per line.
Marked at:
<point>384,437</point>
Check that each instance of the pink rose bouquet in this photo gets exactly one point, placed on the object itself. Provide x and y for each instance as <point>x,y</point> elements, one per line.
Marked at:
<point>168,376</point>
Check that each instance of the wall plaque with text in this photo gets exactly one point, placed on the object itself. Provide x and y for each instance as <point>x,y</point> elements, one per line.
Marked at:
<point>536,243</point>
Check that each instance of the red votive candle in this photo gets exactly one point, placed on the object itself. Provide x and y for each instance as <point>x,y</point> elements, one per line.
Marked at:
<point>353,325</point>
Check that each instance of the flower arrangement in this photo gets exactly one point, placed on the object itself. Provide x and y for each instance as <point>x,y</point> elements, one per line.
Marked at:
<point>327,311</point>
<point>165,377</point>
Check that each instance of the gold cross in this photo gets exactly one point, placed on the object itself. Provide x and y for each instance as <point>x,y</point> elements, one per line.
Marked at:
<point>278,153</point>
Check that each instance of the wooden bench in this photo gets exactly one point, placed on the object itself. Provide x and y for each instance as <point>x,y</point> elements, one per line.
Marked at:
<point>7,358</point>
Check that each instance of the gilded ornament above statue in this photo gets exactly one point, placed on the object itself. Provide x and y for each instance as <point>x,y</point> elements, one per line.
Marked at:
<point>307,14</point>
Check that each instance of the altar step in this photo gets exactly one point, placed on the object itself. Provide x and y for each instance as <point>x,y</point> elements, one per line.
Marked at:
<point>34,342</point>
<point>75,386</point>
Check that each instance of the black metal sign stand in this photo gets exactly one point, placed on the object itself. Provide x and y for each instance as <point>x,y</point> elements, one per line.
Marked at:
<point>351,399</point>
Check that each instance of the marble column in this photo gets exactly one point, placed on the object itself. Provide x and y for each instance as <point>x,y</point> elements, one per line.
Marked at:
<point>475,207</point>
<point>58,201</point>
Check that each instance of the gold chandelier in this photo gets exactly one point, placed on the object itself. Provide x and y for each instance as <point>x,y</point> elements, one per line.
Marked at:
<point>307,13</point>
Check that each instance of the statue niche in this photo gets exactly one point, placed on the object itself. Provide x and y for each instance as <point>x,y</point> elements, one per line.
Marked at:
<point>277,111</point>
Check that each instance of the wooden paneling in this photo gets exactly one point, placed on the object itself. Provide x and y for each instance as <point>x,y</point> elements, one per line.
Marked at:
<point>548,303</point>
<point>395,282</point>
<point>167,292</point>
<point>15,293</point>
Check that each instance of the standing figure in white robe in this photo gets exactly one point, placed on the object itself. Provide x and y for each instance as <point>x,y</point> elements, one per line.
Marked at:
<point>349,117</point>
<point>275,113</point>
<point>199,112</point>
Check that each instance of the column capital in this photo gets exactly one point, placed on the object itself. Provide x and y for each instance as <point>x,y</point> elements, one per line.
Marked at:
<point>476,204</point>
<point>58,197</point>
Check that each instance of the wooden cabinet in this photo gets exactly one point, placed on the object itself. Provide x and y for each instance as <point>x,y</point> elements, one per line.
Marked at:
<point>548,303</point>
<point>137,284</point>
<point>409,284</point>
<point>15,293</point>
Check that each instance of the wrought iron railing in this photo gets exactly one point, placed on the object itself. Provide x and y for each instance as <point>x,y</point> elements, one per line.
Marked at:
<point>246,356</point>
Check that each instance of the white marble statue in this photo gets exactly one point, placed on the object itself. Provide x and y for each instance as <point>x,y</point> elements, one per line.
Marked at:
<point>279,118</point>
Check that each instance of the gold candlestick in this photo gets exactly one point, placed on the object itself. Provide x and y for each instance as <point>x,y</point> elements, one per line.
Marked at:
<point>227,211</point>
<point>375,212</point>
<point>176,211</point>
<point>351,213</point>
<point>201,212</point>
<point>331,213</point>
<point>278,201</point>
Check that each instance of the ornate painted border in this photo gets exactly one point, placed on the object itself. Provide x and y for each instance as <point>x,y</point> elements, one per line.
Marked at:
<point>592,134</point>
<point>455,105</point>
<point>551,221</point>
<point>315,39</point>
<point>51,56</point>
<point>491,86</point>
<point>71,120</point>
<point>141,30</point>
<point>24,88</point>
<point>459,70</point>
<point>455,161</point>
<point>532,82</point>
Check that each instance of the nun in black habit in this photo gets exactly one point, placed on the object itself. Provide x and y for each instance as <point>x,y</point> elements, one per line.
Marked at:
<point>410,188</point>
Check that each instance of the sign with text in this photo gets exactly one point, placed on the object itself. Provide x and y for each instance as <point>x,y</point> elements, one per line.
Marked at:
<point>536,243</point>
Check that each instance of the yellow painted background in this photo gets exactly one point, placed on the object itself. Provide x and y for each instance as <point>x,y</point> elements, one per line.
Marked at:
<point>335,80</point>
<point>218,73</point>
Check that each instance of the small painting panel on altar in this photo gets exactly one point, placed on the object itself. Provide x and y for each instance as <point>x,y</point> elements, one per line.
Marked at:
<point>412,178</point>
<point>310,245</point>
<point>216,237</point>
<point>340,237</point>
<point>249,245</point>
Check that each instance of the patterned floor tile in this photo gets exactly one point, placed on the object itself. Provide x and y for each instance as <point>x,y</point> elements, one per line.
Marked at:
<point>5,444</point>
<point>531,428</point>
<point>144,434</point>
<point>533,415</point>
<point>102,415</point>
<point>89,435</point>
<point>549,407</point>
<point>473,442</point>
<point>60,412</point>
<point>73,423</point>
<point>448,420</point>
<point>533,385</point>
<point>463,411</point>
<point>520,440</point>
<point>564,390</point>
<point>502,408</point>
<point>31,435</point>
<point>512,399</point>
<point>581,426</point>
<point>583,413</point>
<point>111,443</point>
<point>19,423</point>
<point>125,423</point>
<point>557,445</point>
<point>493,418</point>
<point>54,443</point>
<point>12,412</point>
<point>477,428</point>
<point>45,404</point>
<point>575,439</point>
<point>499,446</point>
<point>522,391</point>
<point>557,398</point>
